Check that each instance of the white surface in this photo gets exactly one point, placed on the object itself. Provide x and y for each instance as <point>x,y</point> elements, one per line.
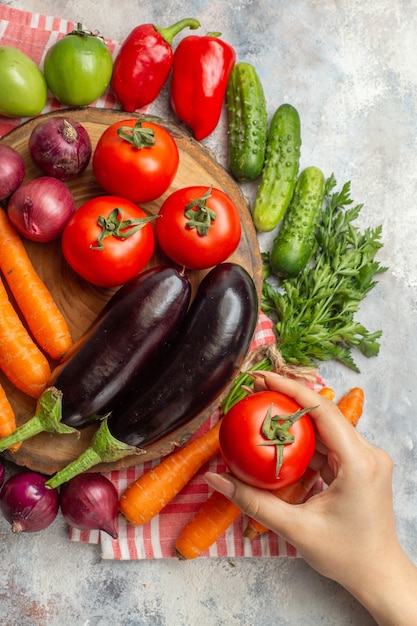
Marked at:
<point>350,69</point>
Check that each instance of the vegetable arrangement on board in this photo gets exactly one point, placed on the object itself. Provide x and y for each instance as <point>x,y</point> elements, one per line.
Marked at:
<point>176,353</point>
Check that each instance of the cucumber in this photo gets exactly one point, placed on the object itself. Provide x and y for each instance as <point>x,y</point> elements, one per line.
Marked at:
<point>280,169</point>
<point>248,122</point>
<point>295,242</point>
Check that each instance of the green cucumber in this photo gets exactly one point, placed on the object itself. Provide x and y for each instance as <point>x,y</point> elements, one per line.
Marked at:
<point>295,242</point>
<point>280,169</point>
<point>248,122</point>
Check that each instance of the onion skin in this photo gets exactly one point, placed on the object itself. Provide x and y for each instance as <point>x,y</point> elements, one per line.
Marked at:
<point>12,171</point>
<point>40,208</point>
<point>27,504</point>
<point>90,502</point>
<point>61,147</point>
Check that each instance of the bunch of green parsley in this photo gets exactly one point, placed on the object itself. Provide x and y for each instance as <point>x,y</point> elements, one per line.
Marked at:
<point>314,313</point>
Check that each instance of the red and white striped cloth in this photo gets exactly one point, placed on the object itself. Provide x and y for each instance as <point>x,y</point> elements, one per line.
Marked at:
<point>34,34</point>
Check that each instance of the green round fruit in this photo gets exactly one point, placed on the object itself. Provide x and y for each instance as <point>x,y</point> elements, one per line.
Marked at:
<point>23,89</point>
<point>78,68</point>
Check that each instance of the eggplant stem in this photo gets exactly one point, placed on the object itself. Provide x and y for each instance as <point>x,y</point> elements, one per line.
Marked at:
<point>47,419</point>
<point>103,448</point>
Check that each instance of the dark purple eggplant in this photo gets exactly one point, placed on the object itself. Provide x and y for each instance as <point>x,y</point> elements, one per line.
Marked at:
<point>123,348</point>
<point>209,349</point>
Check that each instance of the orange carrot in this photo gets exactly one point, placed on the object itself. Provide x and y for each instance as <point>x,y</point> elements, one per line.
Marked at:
<point>35,301</point>
<point>293,494</point>
<point>151,492</point>
<point>326,392</point>
<point>20,359</point>
<point>350,405</point>
<point>212,519</point>
<point>7,418</point>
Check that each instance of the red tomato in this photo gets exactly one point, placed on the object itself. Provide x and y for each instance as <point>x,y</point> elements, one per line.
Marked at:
<point>242,439</point>
<point>123,251</point>
<point>128,166</point>
<point>198,227</point>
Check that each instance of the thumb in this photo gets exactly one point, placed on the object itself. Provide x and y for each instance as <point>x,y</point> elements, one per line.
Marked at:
<point>263,506</point>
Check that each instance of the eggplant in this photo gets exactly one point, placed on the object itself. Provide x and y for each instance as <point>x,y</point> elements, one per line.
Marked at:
<point>125,344</point>
<point>211,346</point>
<point>207,353</point>
<point>122,348</point>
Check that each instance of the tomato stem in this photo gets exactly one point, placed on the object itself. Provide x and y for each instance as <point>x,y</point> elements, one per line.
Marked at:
<point>275,428</point>
<point>115,226</point>
<point>199,215</point>
<point>81,32</point>
<point>137,135</point>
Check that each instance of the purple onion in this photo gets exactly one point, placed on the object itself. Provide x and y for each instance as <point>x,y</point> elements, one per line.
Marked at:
<point>90,502</point>
<point>27,504</point>
<point>61,147</point>
<point>12,170</point>
<point>40,208</point>
<point>2,472</point>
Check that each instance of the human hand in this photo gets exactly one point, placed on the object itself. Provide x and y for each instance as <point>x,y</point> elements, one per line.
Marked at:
<point>347,532</point>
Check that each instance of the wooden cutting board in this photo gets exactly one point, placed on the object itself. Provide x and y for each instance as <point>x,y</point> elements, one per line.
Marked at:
<point>80,302</point>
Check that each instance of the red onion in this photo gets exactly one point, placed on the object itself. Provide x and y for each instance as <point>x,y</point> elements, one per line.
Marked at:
<point>61,147</point>
<point>12,170</point>
<point>1,473</point>
<point>27,504</point>
<point>40,208</point>
<point>90,502</point>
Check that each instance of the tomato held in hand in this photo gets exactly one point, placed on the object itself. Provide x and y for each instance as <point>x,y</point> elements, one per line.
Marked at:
<point>136,159</point>
<point>108,241</point>
<point>198,227</point>
<point>266,440</point>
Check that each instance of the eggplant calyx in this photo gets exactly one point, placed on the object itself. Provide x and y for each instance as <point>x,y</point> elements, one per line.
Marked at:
<point>47,419</point>
<point>103,448</point>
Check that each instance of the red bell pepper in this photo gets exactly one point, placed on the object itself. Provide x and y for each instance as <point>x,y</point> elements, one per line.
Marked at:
<point>144,62</point>
<point>200,72</point>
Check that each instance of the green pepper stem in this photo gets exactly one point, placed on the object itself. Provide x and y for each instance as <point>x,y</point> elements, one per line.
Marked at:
<point>169,32</point>
<point>47,419</point>
<point>103,448</point>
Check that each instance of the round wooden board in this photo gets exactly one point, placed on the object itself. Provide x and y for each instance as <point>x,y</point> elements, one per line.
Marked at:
<point>80,302</point>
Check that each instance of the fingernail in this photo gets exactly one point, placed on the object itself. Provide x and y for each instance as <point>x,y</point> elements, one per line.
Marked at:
<point>220,483</point>
<point>257,374</point>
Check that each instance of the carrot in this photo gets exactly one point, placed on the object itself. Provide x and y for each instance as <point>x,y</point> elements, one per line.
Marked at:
<point>326,392</point>
<point>351,406</point>
<point>44,319</point>
<point>7,418</point>
<point>20,358</point>
<point>212,519</point>
<point>151,492</point>
<point>293,494</point>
